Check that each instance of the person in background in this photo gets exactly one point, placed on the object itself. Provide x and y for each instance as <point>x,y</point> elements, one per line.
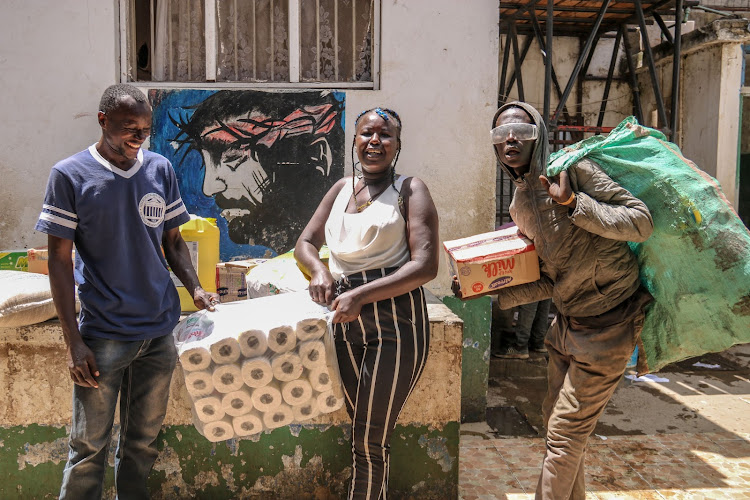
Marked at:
<point>580,223</point>
<point>120,206</point>
<point>528,333</point>
<point>382,232</point>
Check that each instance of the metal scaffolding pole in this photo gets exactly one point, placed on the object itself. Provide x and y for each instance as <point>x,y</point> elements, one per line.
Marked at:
<point>547,48</point>
<point>610,75</point>
<point>581,58</point>
<point>676,63</point>
<point>650,61</point>
<point>633,77</point>
<point>516,62</point>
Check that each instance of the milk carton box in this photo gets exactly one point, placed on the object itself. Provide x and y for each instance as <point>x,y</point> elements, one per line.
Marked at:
<point>486,262</point>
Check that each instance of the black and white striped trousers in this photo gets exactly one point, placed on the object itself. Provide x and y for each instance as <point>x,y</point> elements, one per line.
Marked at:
<point>381,356</point>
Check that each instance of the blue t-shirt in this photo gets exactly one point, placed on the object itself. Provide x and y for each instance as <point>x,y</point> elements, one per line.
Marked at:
<point>116,219</point>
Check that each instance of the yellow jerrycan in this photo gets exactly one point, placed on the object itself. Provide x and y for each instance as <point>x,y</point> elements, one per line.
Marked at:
<point>202,238</point>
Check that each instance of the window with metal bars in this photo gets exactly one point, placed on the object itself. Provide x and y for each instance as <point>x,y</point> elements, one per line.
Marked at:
<point>266,43</point>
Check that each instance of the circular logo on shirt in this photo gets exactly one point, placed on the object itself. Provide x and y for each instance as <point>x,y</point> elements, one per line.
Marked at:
<point>152,208</point>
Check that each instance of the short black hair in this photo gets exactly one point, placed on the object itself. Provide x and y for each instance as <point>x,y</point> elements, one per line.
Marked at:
<point>112,95</point>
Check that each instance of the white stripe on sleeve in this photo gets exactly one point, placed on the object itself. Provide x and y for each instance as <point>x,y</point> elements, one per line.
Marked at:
<point>174,204</point>
<point>59,211</point>
<point>175,213</point>
<point>58,220</point>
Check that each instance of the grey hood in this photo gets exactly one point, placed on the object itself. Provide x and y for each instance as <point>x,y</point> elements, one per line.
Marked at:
<point>538,163</point>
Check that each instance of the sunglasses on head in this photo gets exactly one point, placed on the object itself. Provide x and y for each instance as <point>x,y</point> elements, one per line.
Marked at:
<point>519,131</point>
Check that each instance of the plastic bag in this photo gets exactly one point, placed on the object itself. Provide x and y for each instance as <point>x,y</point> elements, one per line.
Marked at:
<point>259,364</point>
<point>696,263</point>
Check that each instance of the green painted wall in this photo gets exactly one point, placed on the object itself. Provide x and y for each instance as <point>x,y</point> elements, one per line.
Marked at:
<point>292,462</point>
<point>477,317</point>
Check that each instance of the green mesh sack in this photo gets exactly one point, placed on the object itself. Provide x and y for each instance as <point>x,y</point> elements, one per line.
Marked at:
<point>696,263</point>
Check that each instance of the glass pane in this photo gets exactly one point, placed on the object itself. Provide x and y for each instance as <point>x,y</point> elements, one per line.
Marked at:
<point>253,40</point>
<point>335,40</point>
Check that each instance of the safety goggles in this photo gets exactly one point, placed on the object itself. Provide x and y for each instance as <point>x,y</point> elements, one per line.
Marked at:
<point>519,131</point>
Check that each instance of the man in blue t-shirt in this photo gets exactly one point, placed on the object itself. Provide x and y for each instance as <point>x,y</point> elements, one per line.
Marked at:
<point>120,206</point>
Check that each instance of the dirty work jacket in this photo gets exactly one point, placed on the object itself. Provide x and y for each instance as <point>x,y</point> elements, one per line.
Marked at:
<point>587,267</point>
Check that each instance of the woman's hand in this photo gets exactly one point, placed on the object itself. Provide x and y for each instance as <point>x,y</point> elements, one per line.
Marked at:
<point>346,307</point>
<point>322,287</point>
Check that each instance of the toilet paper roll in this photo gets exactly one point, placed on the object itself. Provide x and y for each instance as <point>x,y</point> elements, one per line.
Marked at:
<point>320,380</point>
<point>199,383</point>
<point>219,430</point>
<point>257,372</point>
<point>237,403</point>
<point>253,343</point>
<point>306,411</point>
<point>267,398</point>
<point>286,367</point>
<point>225,351</point>
<point>327,402</point>
<point>208,409</point>
<point>282,339</point>
<point>312,353</point>
<point>249,424</point>
<point>195,359</point>
<point>227,378</point>
<point>310,329</point>
<point>278,417</point>
<point>296,392</point>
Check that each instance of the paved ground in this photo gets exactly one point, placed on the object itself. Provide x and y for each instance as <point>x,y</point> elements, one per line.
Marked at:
<point>685,433</point>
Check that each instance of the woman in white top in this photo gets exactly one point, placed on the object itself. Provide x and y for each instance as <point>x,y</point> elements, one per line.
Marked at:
<point>382,232</point>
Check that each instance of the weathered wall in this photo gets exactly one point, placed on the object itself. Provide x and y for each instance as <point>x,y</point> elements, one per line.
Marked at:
<point>441,78</point>
<point>709,100</point>
<point>56,58</point>
<point>309,461</point>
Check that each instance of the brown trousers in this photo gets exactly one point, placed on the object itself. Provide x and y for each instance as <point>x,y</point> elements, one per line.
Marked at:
<point>587,357</point>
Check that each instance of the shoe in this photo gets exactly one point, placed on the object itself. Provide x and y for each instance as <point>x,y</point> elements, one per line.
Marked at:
<point>540,349</point>
<point>511,352</point>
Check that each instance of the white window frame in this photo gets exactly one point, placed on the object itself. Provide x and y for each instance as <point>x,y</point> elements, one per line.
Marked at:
<point>127,33</point>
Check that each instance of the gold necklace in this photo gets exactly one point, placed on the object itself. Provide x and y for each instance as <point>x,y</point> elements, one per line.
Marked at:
<point>372,198</point>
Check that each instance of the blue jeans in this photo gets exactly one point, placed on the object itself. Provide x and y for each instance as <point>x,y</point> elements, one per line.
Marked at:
<point>140,371</point>
<point>531,326</point>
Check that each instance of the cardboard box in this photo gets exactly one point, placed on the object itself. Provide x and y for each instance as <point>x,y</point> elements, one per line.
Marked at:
<point>231,279</point>
<point>14,260</point>
<point>489,261</point>
<point>38,260</point>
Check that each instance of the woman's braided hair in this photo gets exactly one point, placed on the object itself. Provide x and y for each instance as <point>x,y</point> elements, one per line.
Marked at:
<point>386,114</point>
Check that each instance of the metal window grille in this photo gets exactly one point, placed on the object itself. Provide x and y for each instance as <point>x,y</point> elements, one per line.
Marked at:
<point>295,42</point>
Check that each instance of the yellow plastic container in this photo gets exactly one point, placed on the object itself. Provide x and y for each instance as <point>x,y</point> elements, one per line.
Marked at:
<point>202,238</point>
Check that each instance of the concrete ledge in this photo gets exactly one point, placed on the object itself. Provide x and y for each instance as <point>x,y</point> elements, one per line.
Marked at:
<point>299,461</point>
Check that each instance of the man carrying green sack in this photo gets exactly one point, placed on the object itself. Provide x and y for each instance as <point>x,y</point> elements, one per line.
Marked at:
<point>696,263</point>
<point>580,223</point>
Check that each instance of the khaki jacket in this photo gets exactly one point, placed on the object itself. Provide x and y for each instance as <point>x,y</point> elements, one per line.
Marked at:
<point>586,264</point>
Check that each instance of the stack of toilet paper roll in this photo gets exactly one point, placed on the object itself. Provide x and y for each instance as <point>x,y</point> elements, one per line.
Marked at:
<point>260,379</point>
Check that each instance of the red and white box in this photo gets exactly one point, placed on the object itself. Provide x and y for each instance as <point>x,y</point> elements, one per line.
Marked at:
<point>489,261</point>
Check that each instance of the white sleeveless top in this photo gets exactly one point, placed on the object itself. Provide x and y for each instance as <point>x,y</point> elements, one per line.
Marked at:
<point>371,239</point>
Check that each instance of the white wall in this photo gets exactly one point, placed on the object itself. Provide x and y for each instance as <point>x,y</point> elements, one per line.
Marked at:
<point>56,58</point>
<point>439,72</point>
<point>709,104</point>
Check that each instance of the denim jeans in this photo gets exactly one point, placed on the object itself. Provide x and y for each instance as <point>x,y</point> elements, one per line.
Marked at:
<point>531,326</point>
<point>140,371</point>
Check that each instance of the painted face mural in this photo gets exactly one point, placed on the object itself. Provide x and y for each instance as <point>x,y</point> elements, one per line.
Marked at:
<point>258,161</point>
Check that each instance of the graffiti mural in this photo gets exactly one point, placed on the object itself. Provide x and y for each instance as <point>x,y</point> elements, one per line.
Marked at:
<point>258,162</point>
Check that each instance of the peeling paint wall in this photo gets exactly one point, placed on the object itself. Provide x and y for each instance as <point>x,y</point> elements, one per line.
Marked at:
<point>709,100</point>
<point>295,462</point>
